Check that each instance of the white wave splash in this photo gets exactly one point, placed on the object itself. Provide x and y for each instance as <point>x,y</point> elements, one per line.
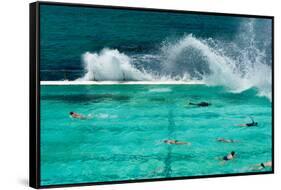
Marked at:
<point>238,65</point>
<point>221,69</point>
<point>111,65</point>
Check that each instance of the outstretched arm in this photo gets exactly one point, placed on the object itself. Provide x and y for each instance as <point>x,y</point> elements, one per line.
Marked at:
<point>252,119</point>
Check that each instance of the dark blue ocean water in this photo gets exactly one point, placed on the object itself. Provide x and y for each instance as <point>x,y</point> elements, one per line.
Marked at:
<point>68,32</point>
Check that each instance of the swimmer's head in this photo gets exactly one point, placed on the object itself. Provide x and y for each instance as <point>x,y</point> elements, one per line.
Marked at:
<point>262,165</point>
<point>71,113</point>
<point>232,153</point>
<point>166,141</point>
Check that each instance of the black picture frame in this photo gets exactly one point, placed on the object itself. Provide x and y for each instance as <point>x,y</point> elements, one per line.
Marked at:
<point>34,93</point>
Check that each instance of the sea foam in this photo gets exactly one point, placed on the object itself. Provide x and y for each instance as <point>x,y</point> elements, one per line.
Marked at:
<point>111,65</point>
<point>237,65</point>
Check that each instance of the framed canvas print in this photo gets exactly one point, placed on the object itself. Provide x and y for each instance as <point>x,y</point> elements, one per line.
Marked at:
<point>121,94</point>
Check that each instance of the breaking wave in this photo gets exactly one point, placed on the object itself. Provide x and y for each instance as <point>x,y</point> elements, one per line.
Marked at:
<point>111,65</point>
<point>237,65</point>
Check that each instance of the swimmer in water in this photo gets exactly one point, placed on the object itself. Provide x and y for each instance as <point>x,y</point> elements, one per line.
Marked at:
<point>264,165</point>
<point>200,104</point>
<point>176,142</point>
<point>78,116</point>
<point>230,156</point>
<point>226,140</point>
<point>253,124</point>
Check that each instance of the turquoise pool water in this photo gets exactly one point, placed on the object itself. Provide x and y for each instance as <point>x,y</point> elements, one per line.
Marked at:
<point>124,138</point>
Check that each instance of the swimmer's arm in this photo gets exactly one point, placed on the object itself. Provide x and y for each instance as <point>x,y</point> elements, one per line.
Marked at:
<point>252,119</point>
